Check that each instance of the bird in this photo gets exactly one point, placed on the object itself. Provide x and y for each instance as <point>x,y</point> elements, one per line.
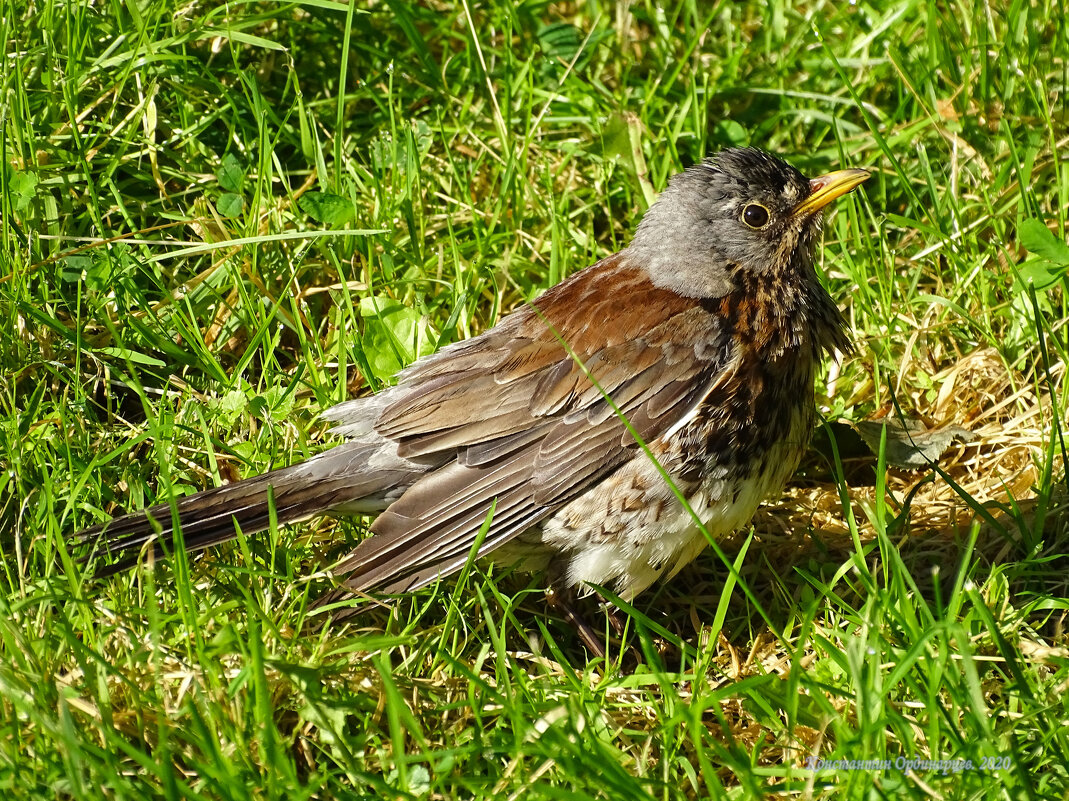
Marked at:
<point>599,433</point>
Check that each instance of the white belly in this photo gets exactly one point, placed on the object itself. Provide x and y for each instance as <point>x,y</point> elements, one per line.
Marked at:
<point>633,529</point>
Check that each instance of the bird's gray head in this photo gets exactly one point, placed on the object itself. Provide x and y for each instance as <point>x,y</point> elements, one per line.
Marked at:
<point>741,212</point>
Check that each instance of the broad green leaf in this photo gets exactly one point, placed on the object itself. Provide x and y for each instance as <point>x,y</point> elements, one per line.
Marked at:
<point>1040,273</point>
<point>230,204</point>
<point>395,336</point>
<point>231,173</point>
<point>323,207</point>
<point>22,187</point>
<point>1038,239</point>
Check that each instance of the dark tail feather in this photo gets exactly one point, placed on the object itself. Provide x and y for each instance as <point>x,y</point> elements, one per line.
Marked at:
<point>338,477</point>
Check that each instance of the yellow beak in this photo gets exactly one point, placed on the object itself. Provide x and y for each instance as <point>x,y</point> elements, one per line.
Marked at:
<point>826,188</point>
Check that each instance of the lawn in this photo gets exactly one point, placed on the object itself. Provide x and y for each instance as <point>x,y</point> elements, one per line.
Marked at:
<point>220,219</point>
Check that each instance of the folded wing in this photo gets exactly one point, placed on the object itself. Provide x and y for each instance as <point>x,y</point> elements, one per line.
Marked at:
<point>536,411</point>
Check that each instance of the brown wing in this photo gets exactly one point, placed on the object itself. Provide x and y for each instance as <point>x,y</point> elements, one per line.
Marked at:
<point>524,409</point>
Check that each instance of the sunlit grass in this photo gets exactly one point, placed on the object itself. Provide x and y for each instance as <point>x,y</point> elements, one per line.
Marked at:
<point>219,220</point>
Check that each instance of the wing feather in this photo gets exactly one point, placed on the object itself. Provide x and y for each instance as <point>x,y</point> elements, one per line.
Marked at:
<point>526,426</point>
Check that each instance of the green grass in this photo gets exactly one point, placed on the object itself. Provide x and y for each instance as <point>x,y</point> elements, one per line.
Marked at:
<point>220,219</point>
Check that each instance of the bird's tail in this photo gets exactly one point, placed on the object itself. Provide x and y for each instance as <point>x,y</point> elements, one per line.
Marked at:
<point>345,476</point>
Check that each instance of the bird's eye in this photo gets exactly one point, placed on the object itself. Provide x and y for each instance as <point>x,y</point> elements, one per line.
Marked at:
<point>755,215</point>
